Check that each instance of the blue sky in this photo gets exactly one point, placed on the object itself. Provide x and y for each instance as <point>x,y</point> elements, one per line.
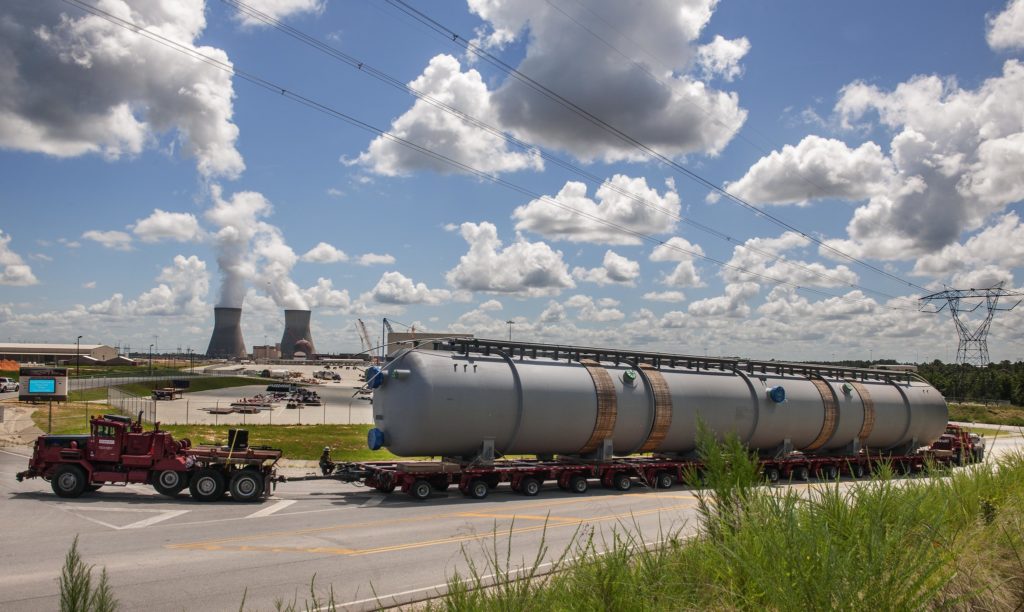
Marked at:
<point>141,187</point>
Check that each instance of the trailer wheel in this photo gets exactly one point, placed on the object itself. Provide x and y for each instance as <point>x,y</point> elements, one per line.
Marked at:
<point>170,483</point>
<point>578,484</point>
<point>663,480</point>
<point>207,485</point>
<point>529,486</point>
<point>829,472</point>
<point>477,489</point>
<point>420,489</point>
<point>68,481</point>
<point>621,481</point>
<point>772,474</point>
<point>246,486</point>
<point>801,473</point>
<point>857,470</point>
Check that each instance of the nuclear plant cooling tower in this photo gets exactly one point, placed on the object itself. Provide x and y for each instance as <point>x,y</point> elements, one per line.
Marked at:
<point>226,341</point>
<point>297,337</point>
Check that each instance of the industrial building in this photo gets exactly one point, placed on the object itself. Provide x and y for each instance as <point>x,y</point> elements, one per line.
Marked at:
<point>56,353</point>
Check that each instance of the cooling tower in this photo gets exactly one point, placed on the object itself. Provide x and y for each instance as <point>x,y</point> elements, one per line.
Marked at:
<point>297,336</point>
<point>226,341</point>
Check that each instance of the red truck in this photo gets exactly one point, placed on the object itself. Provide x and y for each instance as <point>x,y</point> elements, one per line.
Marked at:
<point>118,452</point>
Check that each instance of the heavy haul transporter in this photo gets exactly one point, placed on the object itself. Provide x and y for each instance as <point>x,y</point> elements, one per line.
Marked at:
<point>625,417</point>
<point>118,452</point>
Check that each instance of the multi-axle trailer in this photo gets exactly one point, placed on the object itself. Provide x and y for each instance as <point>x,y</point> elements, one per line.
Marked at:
<point>421,478</point>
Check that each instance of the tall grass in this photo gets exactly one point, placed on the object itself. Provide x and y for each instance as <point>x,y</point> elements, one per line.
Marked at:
<point>77,591</point>
<point>955,541</point>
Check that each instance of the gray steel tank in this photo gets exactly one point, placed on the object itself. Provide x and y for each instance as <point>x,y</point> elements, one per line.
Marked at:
<point>449,403</point>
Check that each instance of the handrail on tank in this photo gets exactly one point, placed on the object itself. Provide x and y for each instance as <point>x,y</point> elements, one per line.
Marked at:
<point>752,367</point>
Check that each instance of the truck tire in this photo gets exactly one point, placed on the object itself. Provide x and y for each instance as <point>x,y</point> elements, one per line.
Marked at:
<point>772,474</point>
<point>478,489</point>
<point>829,472</point>
<point>68,481</point>
<point>621,481</point>
<point>420,489</point>
<point>246,486</point>
<point>170,483</point>
<point>663,480</point>
<point>801,473</point>
<point>529,486</point>
<point>207,484</point>
<point>857,470</point>
<point>578,484</point>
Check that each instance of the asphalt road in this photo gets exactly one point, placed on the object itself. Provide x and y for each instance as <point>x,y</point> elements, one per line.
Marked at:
<point>164,554</point>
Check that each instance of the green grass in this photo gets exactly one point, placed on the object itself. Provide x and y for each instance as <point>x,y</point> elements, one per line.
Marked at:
<point>994,415</point>
<point>347,442</point>
<point>197,384</point>
<point>944,543</point>
<point>88,395</point>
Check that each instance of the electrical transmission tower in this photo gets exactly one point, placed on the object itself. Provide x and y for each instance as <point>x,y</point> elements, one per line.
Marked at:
<point>973,347</point>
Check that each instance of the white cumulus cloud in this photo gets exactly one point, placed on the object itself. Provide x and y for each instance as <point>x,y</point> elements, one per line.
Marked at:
<point>675,113</point>
<point>325,253</point>
<point>523,267</point>
<point>444,133</point>
<point>396,288</point>
<point>1006,29</point>
<point>112,239</point>
<point>13,269</point>
<point>621,201</point>
<point>615,270</point>
<point>74,84</point>
<point>163,225</point>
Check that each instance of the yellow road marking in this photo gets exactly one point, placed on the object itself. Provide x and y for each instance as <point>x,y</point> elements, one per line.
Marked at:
<point>561,522</point>
<point>526,517</point>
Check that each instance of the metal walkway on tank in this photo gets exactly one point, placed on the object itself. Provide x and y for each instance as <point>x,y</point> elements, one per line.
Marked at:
<point>484,346</point>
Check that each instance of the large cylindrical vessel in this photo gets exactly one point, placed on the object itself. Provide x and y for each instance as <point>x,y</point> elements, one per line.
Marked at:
<point>445,403</point>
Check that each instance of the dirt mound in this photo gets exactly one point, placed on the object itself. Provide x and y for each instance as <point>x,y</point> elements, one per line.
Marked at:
<point>8,366</point>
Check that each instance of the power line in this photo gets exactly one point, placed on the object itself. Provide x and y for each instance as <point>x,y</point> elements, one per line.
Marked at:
<point>542,90</point>
<point>330,111</point>
<point>368,69</point>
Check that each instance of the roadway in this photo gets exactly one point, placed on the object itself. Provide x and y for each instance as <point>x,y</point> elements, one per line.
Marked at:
<point>371,549</point>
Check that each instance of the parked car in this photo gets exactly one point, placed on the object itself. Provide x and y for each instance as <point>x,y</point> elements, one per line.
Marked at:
<point>9,384</point>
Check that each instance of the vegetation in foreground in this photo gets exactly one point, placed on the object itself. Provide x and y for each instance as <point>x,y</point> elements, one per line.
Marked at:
<point>78,593</point>
<point>955,542</point>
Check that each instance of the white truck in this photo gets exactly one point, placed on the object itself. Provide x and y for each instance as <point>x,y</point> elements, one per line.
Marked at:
<point>9,384</point>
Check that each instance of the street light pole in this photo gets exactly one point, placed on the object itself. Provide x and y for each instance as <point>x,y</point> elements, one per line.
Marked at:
<point>510,324</point>
<point>78,357</point>
<point>150,359</point>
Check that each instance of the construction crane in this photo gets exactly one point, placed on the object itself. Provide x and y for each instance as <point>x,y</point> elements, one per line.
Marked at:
<point>364,336</point>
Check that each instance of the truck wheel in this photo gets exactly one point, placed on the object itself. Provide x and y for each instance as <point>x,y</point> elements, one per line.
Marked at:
<point>170,483</point>
<point>246,486</point>
<point>529,486</point>
<point>621,481</point>
<point>801,473</point>
<point>663,480</point>
<point>477,489</point>
<point>420,489</point>
<point>857,470</point>
<point>207,485</point>
<point>772,474</point>
<point>68,481</point>
<point>829,472</point>
<point>578,484</point>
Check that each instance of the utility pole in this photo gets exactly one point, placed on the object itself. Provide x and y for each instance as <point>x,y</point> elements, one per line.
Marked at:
<point>973,347</point>
<point>510,324</point>
<point>78,357</point>
<point>150,359</point>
